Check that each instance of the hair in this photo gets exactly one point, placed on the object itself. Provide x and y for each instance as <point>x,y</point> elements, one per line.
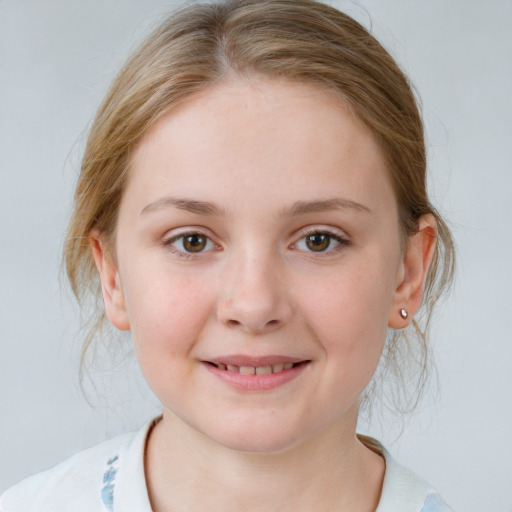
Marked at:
<point>303,41</point>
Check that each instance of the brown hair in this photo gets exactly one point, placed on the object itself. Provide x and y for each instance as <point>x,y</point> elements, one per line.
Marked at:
<point>297,40</point>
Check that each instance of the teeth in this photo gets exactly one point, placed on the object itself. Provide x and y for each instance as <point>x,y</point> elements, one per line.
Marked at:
<point>258,370</point>
<point>247,370</point>
<point>263,370</point>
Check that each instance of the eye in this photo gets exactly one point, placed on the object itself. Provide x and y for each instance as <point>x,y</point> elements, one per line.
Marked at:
<point>320,241</point>
<point>191,243</point>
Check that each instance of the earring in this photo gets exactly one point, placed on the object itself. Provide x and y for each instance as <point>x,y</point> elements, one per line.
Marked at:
<point>403,313</point>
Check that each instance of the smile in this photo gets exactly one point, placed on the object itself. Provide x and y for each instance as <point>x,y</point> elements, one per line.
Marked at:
<point>255,370</point>
<point>256,374</point>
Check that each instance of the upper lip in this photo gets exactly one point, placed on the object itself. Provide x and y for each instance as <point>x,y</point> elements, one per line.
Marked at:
<point>254,361</point>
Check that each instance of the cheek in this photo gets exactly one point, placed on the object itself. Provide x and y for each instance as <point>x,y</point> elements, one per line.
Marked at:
<point>166,311</point>
<point>167,317</point>
<point>349,313</point>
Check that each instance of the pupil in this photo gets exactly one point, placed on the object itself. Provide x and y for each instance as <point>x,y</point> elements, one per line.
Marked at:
<point>194,243</point>
<point>318,242</point>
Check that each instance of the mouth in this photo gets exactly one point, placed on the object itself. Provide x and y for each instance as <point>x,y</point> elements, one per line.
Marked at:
<point>256,370</point>
<point>245,373</point>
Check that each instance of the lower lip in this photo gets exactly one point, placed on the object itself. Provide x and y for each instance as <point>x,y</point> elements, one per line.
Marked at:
<point>264,382</point>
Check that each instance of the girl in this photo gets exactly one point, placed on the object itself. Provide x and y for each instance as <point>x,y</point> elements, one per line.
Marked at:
<point>252,207</point>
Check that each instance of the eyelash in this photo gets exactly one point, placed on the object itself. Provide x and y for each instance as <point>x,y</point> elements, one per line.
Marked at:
<point>341,241</point>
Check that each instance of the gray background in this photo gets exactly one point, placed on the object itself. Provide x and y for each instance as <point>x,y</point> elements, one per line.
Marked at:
<point>56,60</point>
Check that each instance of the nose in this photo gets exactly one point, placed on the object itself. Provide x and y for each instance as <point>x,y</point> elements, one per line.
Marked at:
<point>254,297</point>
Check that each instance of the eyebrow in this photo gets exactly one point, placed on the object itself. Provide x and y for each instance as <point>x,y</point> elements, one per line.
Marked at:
<point>335,203</point>
<point>298,208</point>
<point>189,205</point>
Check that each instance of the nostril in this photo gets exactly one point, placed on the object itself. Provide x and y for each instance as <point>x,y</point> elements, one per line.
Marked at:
<point>231,323</point>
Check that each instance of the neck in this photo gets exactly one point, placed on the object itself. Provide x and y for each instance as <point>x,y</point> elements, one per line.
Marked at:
<point>185,470</point>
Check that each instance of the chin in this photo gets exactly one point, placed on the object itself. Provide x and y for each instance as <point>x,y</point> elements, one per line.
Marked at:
<point>253,437</point>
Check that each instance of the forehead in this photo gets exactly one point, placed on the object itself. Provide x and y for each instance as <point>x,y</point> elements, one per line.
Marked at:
<point>275,138</point>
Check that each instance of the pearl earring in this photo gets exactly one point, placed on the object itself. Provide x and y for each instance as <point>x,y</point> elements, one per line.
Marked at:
<point>403,313</point>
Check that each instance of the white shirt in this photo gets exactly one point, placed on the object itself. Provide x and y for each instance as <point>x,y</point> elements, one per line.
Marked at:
<point>110,478</point>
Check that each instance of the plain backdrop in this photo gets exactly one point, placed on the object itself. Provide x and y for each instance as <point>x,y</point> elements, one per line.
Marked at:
<point>56,61</point>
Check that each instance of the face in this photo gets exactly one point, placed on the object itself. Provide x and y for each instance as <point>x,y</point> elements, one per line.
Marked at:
<point>258,262</point>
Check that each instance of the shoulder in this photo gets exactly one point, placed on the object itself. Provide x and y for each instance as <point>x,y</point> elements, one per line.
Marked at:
<point>84,482</point>
<point>403,490</point>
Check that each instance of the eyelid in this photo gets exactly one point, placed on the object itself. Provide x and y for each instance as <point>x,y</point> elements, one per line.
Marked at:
<point>322,228</point>
<point>187,230</point>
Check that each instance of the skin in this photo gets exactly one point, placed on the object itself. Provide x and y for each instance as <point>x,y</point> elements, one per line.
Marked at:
<point>256,152</point>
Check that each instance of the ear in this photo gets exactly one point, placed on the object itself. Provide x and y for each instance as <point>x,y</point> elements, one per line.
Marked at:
<point>414,267</point>
<point>111,290</point>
